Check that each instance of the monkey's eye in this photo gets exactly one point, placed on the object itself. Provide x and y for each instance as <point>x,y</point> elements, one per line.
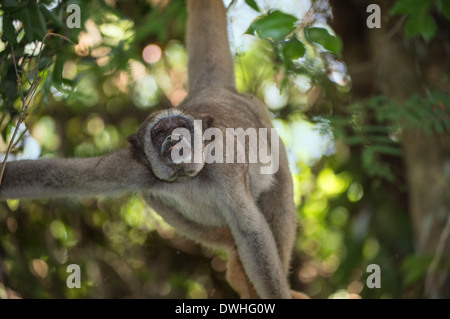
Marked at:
<point>160,131</point>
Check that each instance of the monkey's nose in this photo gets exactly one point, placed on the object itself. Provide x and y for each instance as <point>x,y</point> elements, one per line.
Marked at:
<point>175,137</point>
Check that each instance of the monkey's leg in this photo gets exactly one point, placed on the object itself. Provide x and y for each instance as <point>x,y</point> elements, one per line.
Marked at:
<point>213,237</point>
<point>237,278</point>
<point>255,243</point>
<point>279,209</point>
<point>239,281</point>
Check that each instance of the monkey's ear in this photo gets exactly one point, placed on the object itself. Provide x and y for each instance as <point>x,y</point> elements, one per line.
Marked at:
<point>207,121</point>
<point>137,148</point>
<point>135,142</point>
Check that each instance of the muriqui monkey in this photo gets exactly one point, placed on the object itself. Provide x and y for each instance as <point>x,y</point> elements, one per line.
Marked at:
<point>228,206</point>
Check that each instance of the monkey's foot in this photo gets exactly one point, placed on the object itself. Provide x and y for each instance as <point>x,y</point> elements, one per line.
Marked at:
<point>299,295</point>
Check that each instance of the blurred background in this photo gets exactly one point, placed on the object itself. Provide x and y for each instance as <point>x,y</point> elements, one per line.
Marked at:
<point>364,113</point>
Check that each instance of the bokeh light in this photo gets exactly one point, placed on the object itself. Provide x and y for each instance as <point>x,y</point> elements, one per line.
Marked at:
<point>152,53</point>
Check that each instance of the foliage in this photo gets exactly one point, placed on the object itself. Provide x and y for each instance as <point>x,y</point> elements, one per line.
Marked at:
<point>419,18</point>
<point>376,125</point>
<point>350,194</point>
<point>368,159</point>
<point>91,97</point>
<point>302,46</point>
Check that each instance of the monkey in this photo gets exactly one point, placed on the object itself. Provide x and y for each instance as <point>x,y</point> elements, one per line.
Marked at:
<point>157,138</point>
<point>228,206</point>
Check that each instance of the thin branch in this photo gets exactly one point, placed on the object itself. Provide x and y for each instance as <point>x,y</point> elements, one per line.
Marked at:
<point>396,28</point>
<point>18,77</point>
<point>29,97</point>
<point>25,104</point>
<point>429,279</point>
<point>20,137</point>
<point>307,18</point>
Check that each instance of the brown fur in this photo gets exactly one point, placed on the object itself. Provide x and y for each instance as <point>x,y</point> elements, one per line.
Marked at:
<point>227,206</point>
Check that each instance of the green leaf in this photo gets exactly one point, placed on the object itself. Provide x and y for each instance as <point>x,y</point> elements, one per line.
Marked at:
<point>57,71</point>
<point>388,150</point>
<point>355,140</point>
<point>415,268</point>
<point>39,26</point>
<point>321,36</point>
<point>9,31</point>
<point>410,7</point>
<point>9,127</point>
<point>252,4</point>
<point>50,15</point>
<point>420,25</point>
<point>25,16</point>
<point>294,49</point>
<point>381,139</point>
<point>46,87</point>
<point>446,9</point>
<point>275,25</point>
<point>376,129</point>
<point>44,61</point>
<point>12,6</point>
<point>33,23</point>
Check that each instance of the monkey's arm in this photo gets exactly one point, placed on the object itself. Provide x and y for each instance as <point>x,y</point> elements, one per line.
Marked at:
<point>111,173</point>
<point>210,61</point>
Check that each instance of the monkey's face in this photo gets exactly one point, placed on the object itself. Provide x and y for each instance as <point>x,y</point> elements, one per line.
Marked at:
<point>166,139</point>
<point>173,136</point>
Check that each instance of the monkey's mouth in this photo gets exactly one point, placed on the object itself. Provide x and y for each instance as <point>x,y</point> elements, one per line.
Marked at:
<point>178,153</point>
<point>175,147</point>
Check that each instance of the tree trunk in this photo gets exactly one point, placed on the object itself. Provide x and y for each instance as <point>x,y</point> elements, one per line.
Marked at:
<point>396,72</point>
<point>426,159</point>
